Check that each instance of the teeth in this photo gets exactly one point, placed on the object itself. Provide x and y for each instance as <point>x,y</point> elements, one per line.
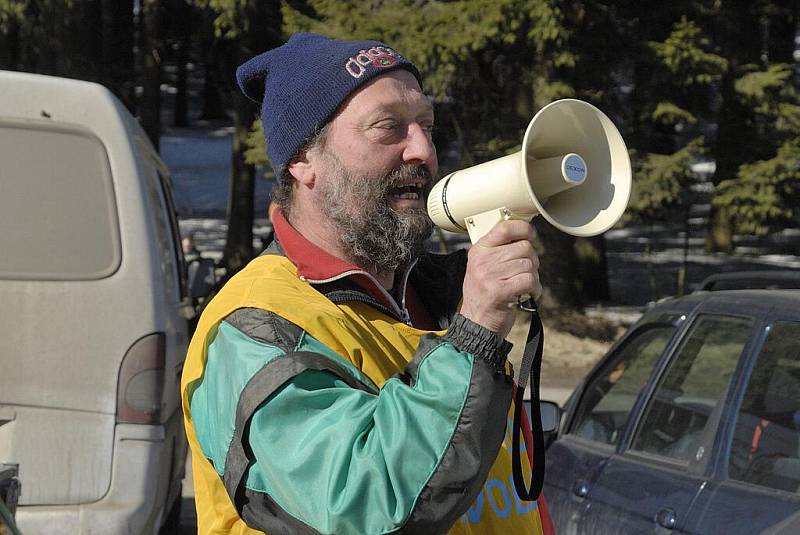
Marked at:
<point>409,196</point>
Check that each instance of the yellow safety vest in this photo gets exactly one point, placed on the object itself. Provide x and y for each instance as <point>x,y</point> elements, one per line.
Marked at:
<point>271,283</point>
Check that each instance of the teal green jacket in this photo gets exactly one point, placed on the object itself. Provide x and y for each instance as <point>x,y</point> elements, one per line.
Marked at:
<point>343,419</point>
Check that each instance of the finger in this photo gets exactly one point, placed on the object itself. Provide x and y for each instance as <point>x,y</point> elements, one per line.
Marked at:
<point>525,283</point>
<point>507,232</point>
<point>494,258</point>
<point>517,266</point>
<point>507,268</point>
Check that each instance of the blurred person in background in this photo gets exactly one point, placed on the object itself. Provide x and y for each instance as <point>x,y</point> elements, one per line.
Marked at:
<point>190,252</point>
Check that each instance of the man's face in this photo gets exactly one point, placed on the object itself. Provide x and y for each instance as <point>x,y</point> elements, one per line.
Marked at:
<point>373,225</point>
<point>376,169</point>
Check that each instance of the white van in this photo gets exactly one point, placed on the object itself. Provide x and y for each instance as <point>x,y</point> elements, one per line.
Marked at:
<point>93,312</point>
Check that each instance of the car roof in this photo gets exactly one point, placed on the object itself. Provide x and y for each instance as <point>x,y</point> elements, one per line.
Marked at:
<point>763,279</point>
<point>758,302</point>
<point>46,99</point>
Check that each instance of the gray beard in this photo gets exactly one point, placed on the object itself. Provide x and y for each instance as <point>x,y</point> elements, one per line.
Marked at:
<point>376,237</point>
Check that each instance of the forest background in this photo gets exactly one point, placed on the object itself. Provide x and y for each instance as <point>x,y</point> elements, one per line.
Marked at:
<point>705,93</point>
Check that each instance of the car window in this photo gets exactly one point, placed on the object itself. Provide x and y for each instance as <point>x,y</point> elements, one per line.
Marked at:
<point>169,209</point>
<point>166,231</point>
<point>765,449</point>
<point>695,381</point>
<point>609,397</point>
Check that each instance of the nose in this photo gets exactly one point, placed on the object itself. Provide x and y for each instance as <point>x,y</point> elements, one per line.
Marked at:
<point>420,148</point>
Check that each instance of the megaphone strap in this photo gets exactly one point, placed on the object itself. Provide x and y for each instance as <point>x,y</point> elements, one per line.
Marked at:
<point>530,368</point>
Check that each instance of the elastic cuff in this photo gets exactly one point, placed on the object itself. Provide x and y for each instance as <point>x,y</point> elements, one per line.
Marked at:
<point>472,338</point>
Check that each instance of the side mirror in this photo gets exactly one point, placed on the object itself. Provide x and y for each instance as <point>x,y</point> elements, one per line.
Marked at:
<point>550,413</point>
<point>201,278</point>
<point>551,416</point>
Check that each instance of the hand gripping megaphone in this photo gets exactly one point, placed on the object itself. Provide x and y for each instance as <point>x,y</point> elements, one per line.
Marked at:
<point>573,169</point>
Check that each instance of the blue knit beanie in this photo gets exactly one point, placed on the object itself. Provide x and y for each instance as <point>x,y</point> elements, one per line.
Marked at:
<point>302,83</point>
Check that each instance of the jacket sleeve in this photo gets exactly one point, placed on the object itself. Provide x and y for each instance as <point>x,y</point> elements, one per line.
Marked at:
<point>306,444</point>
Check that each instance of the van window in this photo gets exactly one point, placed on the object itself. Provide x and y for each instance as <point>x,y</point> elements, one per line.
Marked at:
<point>57,210</point>
<point>169,203</point>
<point>166,227</point>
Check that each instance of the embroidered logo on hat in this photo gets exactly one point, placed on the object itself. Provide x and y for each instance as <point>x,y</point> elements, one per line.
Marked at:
<point>377,56</point>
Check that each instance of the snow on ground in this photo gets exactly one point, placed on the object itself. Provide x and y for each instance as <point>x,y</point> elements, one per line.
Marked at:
<point>209,234</point>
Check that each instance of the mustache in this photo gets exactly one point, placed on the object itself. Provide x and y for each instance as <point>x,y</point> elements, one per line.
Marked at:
<point>408,172</point>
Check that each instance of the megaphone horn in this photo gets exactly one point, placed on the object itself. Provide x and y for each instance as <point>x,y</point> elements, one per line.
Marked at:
<point>573,169</point>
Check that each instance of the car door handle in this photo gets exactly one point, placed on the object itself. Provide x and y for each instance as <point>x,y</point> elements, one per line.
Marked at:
<point>666,518</point>
<point>580,488</point>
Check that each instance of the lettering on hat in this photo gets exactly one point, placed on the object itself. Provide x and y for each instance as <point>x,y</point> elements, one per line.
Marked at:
<point>380,57</point>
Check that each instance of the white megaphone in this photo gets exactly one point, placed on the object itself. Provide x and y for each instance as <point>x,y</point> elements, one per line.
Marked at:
<point>573,169</point>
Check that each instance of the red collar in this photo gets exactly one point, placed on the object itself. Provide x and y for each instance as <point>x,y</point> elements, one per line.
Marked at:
<point>312,262</point>
<point>316,266</point>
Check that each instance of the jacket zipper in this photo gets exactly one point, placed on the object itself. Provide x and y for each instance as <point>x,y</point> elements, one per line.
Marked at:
<point>345,296</point>
<point>401,313</point>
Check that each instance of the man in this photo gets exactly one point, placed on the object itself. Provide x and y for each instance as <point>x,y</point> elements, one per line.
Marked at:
<point>334,385</point>
<point>190,252</point>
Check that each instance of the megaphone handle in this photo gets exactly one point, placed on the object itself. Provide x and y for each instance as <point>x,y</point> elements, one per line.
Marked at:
<point>480,224</point>
<point>530,368</point>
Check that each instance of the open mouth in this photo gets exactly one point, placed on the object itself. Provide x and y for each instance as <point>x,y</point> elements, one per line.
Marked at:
<point>411,191</point>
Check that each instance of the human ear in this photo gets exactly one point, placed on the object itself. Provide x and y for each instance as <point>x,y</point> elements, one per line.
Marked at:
<point>302,169</point>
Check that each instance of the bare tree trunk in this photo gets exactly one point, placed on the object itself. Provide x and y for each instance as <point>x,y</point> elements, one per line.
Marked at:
<point>651,267</point>
<point>181,117</point>
<point>10,49</point>
<point>182,22</point>
<point>87,40</point>
<point>117,61</point>
<point>213,106</point>
<point>239,240</point>
<point>558,270</point>
<point>150,110</point>
<point>590,254</point>
<point>732,147</point>
<point>263,33</point>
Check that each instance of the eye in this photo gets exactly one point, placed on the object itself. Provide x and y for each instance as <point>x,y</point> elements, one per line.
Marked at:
<point>388,124</point>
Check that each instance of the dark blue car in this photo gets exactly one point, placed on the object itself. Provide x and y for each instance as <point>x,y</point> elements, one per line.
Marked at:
<point>690,424</point>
